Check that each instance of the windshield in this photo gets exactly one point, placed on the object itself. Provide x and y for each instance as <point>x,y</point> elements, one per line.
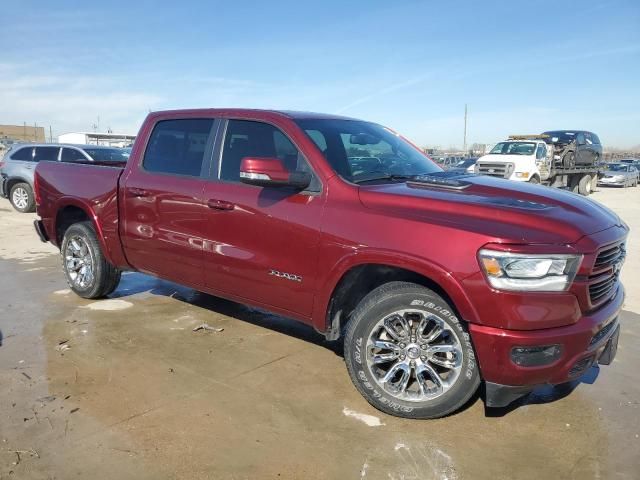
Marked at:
<point>618,168</point>
<point>513,148</point>
<point>562,137</point>
<point>466,163</point>
<point>361,151</point>
<point>107,154</point>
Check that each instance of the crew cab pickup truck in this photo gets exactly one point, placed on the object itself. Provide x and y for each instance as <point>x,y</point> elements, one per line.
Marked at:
<point>434,281</point>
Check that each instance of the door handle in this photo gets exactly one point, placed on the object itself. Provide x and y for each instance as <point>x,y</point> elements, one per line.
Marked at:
<point>219,204</point>
<point>138,192</point>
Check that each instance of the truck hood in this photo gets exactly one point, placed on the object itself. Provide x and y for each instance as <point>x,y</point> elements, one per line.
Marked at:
<point>509,212</point>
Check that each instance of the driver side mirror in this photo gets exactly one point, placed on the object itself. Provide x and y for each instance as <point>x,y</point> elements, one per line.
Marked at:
<point>271,172</point>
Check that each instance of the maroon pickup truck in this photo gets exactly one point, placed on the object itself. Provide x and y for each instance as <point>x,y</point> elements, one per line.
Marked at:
<point>434,281</point>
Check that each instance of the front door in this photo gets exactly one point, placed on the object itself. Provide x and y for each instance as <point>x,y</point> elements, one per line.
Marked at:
<point>164,215</point>
<point>262,242</point>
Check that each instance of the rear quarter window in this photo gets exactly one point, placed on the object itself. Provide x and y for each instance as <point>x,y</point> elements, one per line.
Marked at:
<point>24,154</point>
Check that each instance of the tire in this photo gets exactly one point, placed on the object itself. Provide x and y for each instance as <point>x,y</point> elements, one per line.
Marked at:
<point>585,186</point>
<point>22,198</point>
<point>398,304</point>
<point>534,180</point>
<point>86,269</point>
<point>569,160</point>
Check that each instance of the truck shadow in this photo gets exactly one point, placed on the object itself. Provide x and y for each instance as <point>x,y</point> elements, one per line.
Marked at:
<point>134,283</point>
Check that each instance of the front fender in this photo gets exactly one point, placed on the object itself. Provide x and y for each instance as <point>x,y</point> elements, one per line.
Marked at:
<point>426,268</point>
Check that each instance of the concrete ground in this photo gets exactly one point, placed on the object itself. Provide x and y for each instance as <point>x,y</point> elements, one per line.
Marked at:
<point>123,388</point>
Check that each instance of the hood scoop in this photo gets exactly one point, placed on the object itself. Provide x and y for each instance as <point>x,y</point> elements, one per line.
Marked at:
<point>448,180</point>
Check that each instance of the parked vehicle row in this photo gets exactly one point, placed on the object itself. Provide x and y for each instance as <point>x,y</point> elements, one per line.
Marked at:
<point>18,165</point>
<point>620,175</point>
<point>435,281</point>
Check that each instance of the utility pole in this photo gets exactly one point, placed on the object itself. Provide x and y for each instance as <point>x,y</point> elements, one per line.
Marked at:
<point>464,147</point>
<point>50,135</point>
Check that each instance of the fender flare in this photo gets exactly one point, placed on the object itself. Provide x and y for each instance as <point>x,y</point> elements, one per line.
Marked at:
<point>428,269</point>
<point>10,180</point>
<point>65,202</point>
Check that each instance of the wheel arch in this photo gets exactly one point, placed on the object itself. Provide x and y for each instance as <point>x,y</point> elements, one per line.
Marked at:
<point>70,211</point>
<point>11,181</point>
<point>353,278</point>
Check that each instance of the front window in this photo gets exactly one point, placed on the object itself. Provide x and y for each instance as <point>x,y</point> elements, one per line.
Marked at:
<point>618,168</point>
<point>362,151</point>
<point>513,148</point>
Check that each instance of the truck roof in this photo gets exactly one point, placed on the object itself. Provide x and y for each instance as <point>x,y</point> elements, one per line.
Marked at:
<point>293,114</point>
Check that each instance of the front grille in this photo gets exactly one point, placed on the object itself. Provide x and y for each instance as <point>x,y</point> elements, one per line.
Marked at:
<point>602,289</point>
<point>501,170</point>
<point>602,332</point>
<point>605,273</point>
<point>610,256</point>
<point>580,366</point>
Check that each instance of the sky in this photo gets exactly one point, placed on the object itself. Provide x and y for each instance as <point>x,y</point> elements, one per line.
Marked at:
<point>521,67</point>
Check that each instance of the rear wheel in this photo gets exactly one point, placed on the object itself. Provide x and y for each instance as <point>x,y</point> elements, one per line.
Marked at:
<point>585,186</point>
<point>408,354</point>
<point>22,198</point>
<point>86,269</point>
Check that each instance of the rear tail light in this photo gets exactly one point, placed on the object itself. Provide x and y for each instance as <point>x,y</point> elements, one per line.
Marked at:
<point>36,189</point>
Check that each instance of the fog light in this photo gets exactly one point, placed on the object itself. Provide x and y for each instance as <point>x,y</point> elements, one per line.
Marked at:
<point>535,356</point>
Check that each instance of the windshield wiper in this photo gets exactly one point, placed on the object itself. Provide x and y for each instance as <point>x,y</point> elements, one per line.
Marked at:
<point>377,176</point>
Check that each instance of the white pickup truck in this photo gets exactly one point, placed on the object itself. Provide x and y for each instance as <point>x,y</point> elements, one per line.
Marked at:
<point>529,158</point>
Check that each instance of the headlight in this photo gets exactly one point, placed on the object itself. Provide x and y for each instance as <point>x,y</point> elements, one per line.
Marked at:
<point>529,272</point>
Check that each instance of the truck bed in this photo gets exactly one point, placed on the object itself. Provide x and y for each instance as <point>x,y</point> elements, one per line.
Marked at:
<point>63,187</point>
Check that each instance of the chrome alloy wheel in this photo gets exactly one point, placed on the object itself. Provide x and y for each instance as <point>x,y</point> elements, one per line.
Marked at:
<point>79,262</point>
<point>414,355</point>
<point>20,198</point>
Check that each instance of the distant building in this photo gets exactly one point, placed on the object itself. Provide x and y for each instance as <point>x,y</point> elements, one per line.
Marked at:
<point>21,133</point>
<point>96,138</point>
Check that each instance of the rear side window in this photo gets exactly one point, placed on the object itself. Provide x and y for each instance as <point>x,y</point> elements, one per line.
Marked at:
<point>72,155</point>
<point>595,139</point>
<point>46,153</point>
<point>25,154</point>
<point>178,146</point>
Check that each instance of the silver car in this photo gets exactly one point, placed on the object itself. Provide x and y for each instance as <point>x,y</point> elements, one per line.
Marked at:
<point>620,175</point>
<point>18,166</point>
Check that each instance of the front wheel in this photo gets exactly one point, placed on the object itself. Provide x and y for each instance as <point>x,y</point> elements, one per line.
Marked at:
<point>534,180</point>
<point>86,269</point>
<point>408,354</point>
<point>569,160</point>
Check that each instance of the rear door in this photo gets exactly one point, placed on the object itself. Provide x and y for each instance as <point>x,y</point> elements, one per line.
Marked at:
<point>584,154</point>
<point>261,241</point>
<point>164,215</point>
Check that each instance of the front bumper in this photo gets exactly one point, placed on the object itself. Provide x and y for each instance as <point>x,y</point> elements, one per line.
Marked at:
<point>583,343</point>
<point>618,183</point>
